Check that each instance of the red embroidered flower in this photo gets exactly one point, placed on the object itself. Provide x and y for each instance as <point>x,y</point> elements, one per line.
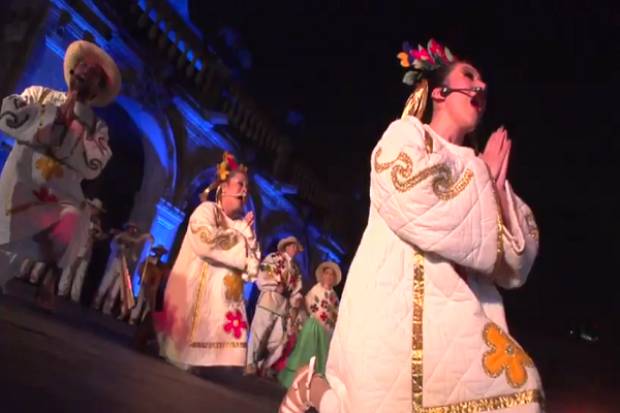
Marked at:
<point>235,323</point>
<point>44,195</point>
<point>323,316</point>
<point>314,308</point>
<point>324,304</point>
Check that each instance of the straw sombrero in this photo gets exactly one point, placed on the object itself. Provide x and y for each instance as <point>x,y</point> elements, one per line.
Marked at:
<point>328,264</point>
<point>82,49</point>
<point>289,240</point>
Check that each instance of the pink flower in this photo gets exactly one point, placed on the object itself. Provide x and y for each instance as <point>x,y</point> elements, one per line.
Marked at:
<point>422,54</point>
<point>235,324</point>
<point>437,50</point>
<point>44,195</point>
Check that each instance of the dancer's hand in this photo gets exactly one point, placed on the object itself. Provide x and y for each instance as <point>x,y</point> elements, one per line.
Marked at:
<point>249,218</point>
<point>496,153</point>
<point>65,111</point>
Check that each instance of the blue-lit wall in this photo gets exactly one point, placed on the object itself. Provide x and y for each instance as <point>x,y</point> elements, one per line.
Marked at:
<point>164,229</point>
<point>173,166</point>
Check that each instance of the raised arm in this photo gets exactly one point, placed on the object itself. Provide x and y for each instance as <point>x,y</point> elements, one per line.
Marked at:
<point>213,243</point>
<point>435,200</point>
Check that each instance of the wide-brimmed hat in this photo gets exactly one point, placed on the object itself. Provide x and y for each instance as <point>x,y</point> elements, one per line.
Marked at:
<point>328,264</point>
<point>289,240</point>
<point>96,203</point>
<point>80,50</point>
<point>159,249</point>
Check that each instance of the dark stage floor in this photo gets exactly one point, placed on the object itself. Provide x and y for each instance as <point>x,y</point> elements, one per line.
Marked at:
<point>78,360</point>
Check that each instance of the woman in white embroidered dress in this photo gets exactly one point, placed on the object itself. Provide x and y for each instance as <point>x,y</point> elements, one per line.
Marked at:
<point>445,228</point>
<point>203,322</point>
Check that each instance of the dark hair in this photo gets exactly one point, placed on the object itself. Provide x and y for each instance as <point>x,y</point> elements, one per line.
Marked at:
<point>436,78</point>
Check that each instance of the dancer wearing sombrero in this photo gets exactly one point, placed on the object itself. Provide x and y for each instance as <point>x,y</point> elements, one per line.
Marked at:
<point>59,143</point>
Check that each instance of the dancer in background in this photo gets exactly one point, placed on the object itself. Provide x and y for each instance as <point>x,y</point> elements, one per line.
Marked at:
<point>72,279</point>
<point>421,323</point>
<point>279,282</point>
<point>316,334</point>
<point>125,248</point>
<point>59,143</point>
<point>203,322</point>
<point>152,273</point>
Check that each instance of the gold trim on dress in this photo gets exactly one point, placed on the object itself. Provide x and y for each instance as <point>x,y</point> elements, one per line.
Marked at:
<point>532,228</point>
<point>417,365</point>
<point>218,346</point>
<point>198,302</point>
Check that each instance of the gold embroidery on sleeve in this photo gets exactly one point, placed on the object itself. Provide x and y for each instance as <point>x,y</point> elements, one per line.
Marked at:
<point>223,240</point>
<point>403,179</point>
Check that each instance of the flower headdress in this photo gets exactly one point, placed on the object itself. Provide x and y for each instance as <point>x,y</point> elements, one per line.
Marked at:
<point>420,62</point>
<point>227,166</point>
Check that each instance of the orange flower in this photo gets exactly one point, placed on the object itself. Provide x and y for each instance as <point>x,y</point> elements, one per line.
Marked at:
<point>49,168</point>
<point>504,355</point>
<point>234,287</point>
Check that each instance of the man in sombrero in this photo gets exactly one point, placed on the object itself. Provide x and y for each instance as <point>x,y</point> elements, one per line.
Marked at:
<point>59,143</point>
<point>280,284</point>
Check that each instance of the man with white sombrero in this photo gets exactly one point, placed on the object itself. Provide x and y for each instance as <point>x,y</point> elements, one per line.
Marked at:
<point>59,143</point>
<point>280,282</point>
<point>116,283</point>
<point>72,279</point>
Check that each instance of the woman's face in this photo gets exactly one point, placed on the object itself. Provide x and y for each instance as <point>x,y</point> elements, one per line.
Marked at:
<point>329,278</point>
<point>465,107</point>
<point>234,192</point>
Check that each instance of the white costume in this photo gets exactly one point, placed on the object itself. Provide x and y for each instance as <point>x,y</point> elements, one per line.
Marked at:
<point>421,324</point>
<point>203,322</point>
<point>72,279</point>
<point>280,284</point>
<point>40,189</point>
<point>124,250</point>
<point>32,271</point>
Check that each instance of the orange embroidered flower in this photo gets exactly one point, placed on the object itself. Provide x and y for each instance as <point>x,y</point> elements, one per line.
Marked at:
<point>49,168</point>
<point>504,355</point>
<point>234,287</point>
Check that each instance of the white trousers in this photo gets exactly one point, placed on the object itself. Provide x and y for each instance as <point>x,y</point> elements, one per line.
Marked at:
<point>267,338</point>
<point>109,286</point>
<point>32,270</point>
<point>72,279</point>
<point>141,309</point>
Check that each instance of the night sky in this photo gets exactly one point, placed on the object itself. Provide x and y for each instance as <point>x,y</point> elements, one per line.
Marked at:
<point>552,69</point>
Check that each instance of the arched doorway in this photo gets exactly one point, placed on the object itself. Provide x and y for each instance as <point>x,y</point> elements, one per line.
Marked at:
<point>117,185</point>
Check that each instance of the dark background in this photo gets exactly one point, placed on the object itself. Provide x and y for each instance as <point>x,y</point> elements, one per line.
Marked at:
<point>552,69</point>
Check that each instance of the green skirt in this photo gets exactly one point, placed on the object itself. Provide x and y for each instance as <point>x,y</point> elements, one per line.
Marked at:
<point>313,340</point>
